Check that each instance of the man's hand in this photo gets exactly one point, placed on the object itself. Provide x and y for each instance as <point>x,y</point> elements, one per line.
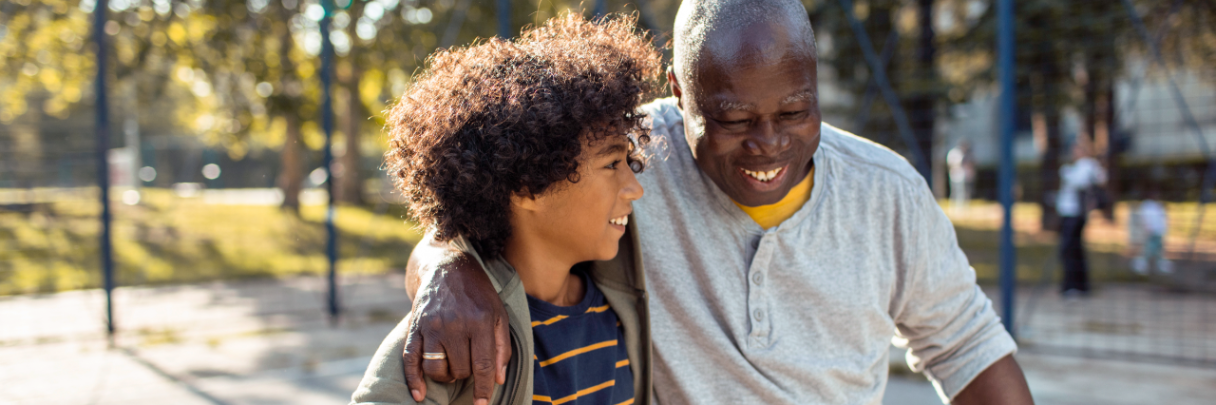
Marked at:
<point>458,313</point>
<point>1001,384</point>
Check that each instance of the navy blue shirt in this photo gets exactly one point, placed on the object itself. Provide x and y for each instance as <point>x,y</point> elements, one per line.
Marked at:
<point>580,352</point>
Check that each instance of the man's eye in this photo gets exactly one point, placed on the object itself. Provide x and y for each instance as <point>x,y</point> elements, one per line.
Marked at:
<point>734,123</point>
<point>793,115</point>
<point>613,165</point>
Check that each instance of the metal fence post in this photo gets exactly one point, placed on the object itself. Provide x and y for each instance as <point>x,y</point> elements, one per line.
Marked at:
<point>1005,68</point>
<point>103,167</point>
<point>327,123</point>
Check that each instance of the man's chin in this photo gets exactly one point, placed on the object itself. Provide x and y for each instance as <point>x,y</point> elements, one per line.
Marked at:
<point>755,199</point>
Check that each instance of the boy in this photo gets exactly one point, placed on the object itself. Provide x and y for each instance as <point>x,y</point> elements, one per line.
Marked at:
<point>520,152</point>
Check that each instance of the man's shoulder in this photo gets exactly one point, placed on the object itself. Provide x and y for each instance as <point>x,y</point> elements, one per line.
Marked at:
<point>664,118</point>
<point>863,157</point>
<point>668,149</point>
<point>661,106</point>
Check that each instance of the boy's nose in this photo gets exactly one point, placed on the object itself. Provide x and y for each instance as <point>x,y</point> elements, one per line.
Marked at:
<point>633,189</point>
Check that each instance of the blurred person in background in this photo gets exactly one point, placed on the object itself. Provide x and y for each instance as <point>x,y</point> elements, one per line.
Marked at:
<point>961,164</point>
<point>1080,187</point>
<point>1150,225</point>
<point>523,154</point>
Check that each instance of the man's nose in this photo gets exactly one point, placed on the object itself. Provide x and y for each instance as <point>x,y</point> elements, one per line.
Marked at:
<point>765,139</point>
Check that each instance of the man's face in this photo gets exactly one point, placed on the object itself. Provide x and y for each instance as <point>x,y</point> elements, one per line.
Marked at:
<point>753,126</point>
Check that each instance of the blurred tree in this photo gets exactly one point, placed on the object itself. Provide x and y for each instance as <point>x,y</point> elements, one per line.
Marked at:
<point>377,42</point>
<point>388,38</point>
<point>1185,31</point>
<point>242,74</point>
<point>1071,53</point>
<point>44,53</point>
<point>47,65</point>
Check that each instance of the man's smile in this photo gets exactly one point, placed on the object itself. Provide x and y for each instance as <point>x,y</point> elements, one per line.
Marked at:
<point>764,180</point>
<point>763,175</point>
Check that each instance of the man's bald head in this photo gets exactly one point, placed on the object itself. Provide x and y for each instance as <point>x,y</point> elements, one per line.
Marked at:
<point>714,31</point>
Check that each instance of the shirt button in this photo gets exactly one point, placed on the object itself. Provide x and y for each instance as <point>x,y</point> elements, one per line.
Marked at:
<point>758,315</point>
<point>758,278</point>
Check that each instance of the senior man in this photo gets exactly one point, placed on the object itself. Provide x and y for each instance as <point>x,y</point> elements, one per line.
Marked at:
<point>782,255</point>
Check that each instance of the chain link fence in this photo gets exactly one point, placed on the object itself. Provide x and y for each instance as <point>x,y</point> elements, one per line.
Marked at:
<point>1130,85</point>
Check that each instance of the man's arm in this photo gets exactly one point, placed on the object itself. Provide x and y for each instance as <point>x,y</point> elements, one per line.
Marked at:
<point>952,330</point>
<point>456,311</point>
<point>1001,383</point>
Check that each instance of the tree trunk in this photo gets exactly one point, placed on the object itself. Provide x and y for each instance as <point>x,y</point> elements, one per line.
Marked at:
<point>1046,102</point>
<point>1089,89</point>
<point>1107,121</point>
<point>347,178</point>
<point>291,175</point>
<point>350,182</point>
<point>1047,132</point>
<point>1098,116</point>
<point>1114,144</point>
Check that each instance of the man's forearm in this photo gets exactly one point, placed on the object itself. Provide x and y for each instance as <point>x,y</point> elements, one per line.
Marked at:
<point>1001,384</point>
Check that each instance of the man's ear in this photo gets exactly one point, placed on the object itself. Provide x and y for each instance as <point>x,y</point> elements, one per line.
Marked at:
<point>675,87</point>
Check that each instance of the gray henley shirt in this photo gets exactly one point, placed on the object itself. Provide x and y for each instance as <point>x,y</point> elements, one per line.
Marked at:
<point>804,313</point>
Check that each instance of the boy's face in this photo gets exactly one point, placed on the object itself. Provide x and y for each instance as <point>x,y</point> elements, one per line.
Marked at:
<point>585,219</point>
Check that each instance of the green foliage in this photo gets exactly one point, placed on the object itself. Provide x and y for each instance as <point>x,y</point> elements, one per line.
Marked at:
<point>168,239</point>
<point>44,52</point>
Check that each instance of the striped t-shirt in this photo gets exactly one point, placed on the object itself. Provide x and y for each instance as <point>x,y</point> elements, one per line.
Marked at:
<point>580,352</point>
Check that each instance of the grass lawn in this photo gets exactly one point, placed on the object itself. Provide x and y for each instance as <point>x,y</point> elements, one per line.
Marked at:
<point>169,239</point>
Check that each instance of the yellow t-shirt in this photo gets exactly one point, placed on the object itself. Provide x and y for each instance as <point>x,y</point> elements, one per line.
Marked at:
<point>774,214</point>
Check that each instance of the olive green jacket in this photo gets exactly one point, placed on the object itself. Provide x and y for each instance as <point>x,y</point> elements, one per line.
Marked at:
<point>623,285</point>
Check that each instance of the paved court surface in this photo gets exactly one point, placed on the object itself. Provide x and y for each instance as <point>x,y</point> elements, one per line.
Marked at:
<point>269,343</point>
<point>1125,319</point>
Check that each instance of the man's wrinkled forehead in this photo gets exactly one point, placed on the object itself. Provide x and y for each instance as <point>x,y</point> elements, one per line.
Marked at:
<point>719,82</point>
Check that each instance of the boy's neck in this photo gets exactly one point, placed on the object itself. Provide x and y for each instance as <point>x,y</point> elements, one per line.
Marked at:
<point>545,274</point>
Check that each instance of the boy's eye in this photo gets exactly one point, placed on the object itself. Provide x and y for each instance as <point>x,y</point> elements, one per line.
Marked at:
<point>612,166</point>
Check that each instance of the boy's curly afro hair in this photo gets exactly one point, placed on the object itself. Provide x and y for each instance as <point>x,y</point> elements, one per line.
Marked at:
<point>500,118</point>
